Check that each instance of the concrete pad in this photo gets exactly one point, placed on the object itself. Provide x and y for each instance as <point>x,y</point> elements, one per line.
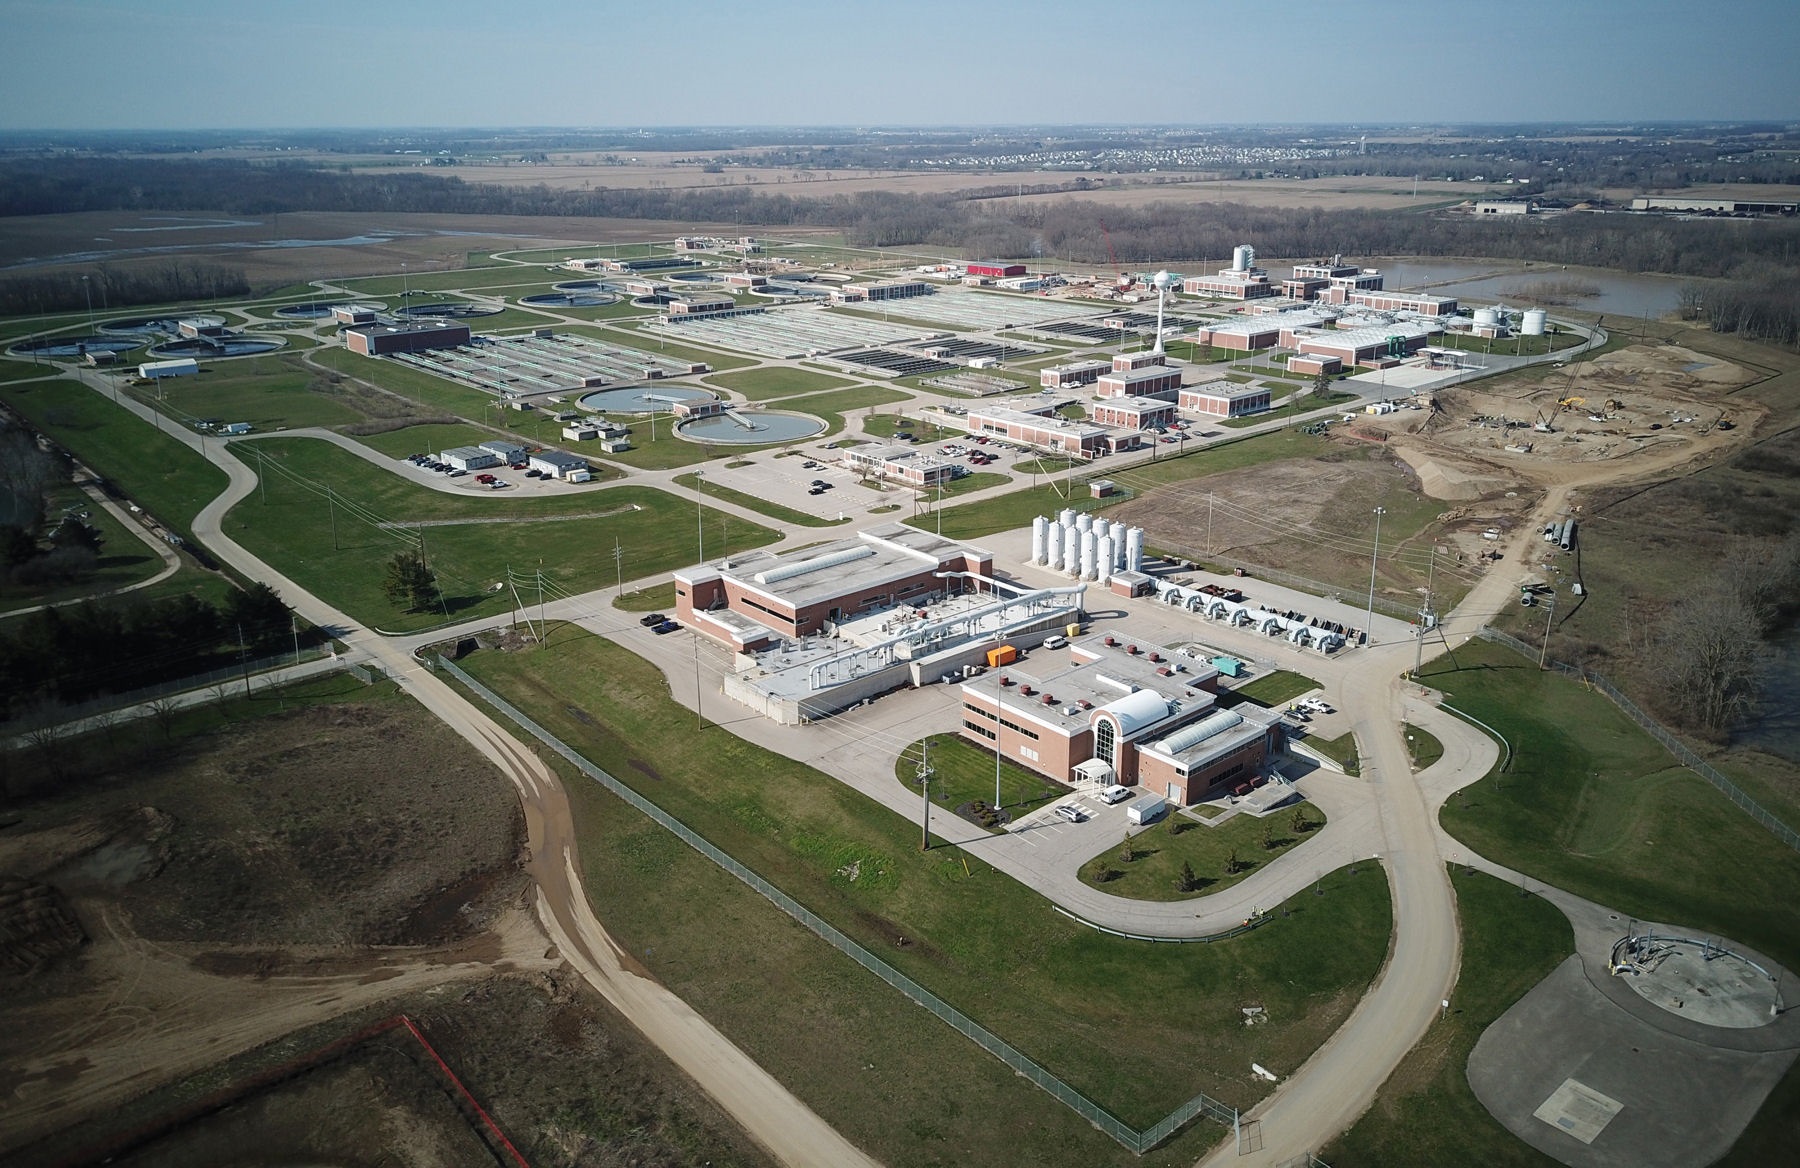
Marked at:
<point>1674,1101</point>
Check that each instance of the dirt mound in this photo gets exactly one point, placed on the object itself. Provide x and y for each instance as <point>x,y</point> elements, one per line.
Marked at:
<point>1441,479</point>
<point>36,925</point>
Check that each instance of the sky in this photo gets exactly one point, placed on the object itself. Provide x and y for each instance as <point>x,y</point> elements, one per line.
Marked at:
<point>258,64</point>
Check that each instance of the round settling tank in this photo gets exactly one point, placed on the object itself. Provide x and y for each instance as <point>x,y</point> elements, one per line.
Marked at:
<point>641,399</point>
<point>751,428</point>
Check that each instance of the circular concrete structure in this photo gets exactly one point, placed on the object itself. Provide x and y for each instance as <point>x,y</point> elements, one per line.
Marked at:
<point>447,308</point>
<point>641,399</point>
<point>313,310</point>
<point>593,299</point>
<point>751,428</point>
<point>71,346</point>
<point>806,290</point>
<point>236,345</point>
<point>149,326</point>
<point>660,300</point>
<point>694,278</point>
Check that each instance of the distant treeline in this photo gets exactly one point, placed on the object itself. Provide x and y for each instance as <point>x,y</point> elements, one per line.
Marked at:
<point>1068,230</point>
<point>1766,308</point>
<point>109,287</point>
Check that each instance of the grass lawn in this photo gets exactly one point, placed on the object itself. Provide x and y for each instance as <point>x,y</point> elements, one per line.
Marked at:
<point>470,543</point>
<point>1422,745</point>
<point>655,598</point>
<point>1198,354</point>
<point>1594,805</point>
<point>428,389</point>
<point>271,393</point>
<point>160,474</point>
<point>514,278</point>
<point>1426,1113</point>
<point>980,480</point>
<point>834,405</point>
<point>761,384</point>
<point>774,511</point>
<point>886,425</point>
<point>425,438</point>
<point>27,370</point>
<point>1156,855</point>
<point>987,944</point>
<point>964,773</point>
<point>1341,750</point>
<point>1274,689</point>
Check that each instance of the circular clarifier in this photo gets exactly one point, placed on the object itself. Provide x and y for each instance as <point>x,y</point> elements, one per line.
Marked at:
<point>460,308</point>
<point>232,346</point>
<point>71,346</point>
<point>316,310</point>
<point>751,428</point>
<point>592,299</point>
<point>642,399</point>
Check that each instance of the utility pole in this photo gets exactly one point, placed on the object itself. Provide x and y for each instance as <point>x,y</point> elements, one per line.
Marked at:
<point>1427,616</point>
<point>1369,625</point>
<point>331,505</point>
<point>619,568</point>
<point>1544,653</point>
<point>700,515</point>
<point>925,773</point>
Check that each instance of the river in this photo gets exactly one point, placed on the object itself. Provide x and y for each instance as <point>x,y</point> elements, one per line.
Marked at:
<point>1478,284</point>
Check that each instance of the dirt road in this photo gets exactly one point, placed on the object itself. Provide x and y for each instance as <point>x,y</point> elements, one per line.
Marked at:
<point>784,1125</point>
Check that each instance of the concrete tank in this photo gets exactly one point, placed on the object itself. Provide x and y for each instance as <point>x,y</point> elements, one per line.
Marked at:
<point>1103,558</point>
<point>1040,537</point>
<point>1533,321</point>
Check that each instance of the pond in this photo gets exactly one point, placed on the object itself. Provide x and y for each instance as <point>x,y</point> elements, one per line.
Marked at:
<point>1478,284</point>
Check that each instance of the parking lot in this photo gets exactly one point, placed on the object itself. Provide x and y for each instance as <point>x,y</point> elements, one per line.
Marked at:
<point>506,481</point>
<point>789,482</point>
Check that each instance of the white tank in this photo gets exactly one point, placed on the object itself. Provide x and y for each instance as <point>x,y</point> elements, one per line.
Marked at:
<point>1487,316</point>
<point>1087,555</point>
<point>1103,558</point>
<point>1040,536</point>
<point>1053,544</point>
<point>1117,532</point>
<point>1243,258</point>
<point>1066,517</point>
<point>1084,523</point>
<point>1532,322</point>
<point>1134,550</point>
<point>1071,562</point>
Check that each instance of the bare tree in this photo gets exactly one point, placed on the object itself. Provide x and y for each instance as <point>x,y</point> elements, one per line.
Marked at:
<point>1712,654</point>
<point>162,711</point>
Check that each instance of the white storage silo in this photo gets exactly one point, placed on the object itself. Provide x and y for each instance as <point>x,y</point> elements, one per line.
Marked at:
<point>1040,536</point>
<point>1053,545</point>
<point>1103,558</point>
<point>1087,555</point>
<point>1533,321</point>
<point>1084,523</point>
<point>1243,258</point>
<point>1134,550</point>
<point>1117,531</point>
<point>1066,517</point>
<point>1488,317</point>
<point>1071,561</point>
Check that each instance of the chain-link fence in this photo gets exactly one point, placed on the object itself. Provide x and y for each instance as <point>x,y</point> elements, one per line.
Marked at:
<point>1137,1141</point>
<point>1675,746</point>
<point>55,714</point>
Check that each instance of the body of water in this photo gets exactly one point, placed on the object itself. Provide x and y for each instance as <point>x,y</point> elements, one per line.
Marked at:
<point>1478,284</point>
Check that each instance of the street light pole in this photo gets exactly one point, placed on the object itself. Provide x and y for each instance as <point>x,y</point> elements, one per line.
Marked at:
<point>1544,653</point>
<point>1427,615</point>
<point>999,727</point>
<point>699,516</point>
<point>1369,624</point>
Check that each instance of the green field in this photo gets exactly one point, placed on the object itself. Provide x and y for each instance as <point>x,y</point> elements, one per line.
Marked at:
<point>963,772</point>
<point>470,542</point>
<point>1341,750</point>
<point>1426,1113</point>
<point>427,389</point>
<point>762,384</point>
<point>270,393</point>
<point>426,438</point>
<point>834,405</point>
<point>1594,805</point>
<point>986,943</point>
<point>1274,689</point>
<point>162,475</point>
<point>1151,866</point>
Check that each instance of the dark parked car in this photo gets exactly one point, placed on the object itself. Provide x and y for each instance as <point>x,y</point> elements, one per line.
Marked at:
<point>654,618</point>
<point>667,626</point>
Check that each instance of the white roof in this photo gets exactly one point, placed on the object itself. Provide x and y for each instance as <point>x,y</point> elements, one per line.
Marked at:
<point>1137,710</point>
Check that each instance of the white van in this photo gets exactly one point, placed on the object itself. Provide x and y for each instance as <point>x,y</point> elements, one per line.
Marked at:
<point>1055,641</point>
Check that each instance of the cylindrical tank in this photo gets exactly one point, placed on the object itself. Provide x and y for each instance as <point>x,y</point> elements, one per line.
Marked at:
<point>1040,536</point>
<point>1084,523</point>
<point>1071,562</point>
<point>1066,516</point>
<point>1117,531</point>
<point>1243,257</point>
<point>1087,555</point>
<point>1532,322</point>
<point>1134,550</point>
<point>1103,558</point>
<point>1487,316</point>
<point>1053,544</point>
